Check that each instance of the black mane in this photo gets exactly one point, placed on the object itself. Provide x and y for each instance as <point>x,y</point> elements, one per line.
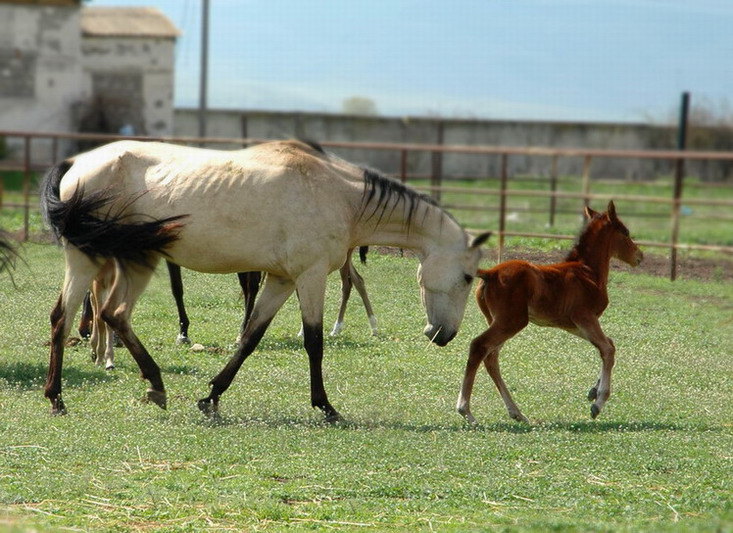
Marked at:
<point>380,190</point>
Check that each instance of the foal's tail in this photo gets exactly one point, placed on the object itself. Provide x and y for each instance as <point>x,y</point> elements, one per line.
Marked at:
<point>8,252</point>
<point>98,232</point>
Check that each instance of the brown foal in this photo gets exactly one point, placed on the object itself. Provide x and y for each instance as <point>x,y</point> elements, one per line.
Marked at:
<point>571,295</point>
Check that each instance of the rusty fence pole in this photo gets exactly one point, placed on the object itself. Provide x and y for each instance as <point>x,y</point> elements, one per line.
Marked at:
<point>553,189</point>
<point>26,186</point>
<point>679,177</point>
<point>436,175</point>
<point>403,165</point>
<point>502,204</point>
<point>587,160</point>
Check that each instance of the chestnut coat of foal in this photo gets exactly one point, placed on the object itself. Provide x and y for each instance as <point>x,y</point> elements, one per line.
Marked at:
<point>571,295</point>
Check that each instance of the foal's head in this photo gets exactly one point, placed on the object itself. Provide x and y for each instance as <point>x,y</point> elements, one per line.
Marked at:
<point>607,224</point>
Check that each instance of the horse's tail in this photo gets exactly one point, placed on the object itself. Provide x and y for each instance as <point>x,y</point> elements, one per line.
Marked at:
<point>88,222</point>
<point>8,252</point>
<point>363,254</point>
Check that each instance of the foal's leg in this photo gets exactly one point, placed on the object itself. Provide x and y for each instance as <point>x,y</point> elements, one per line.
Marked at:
<point>80,271</point>
<point>311,295</point>
<point>276,291</point>
<point>250,283</point>
<point>174,273</point>
<point>486,348</point>
<point>590,329</point>
<point>85,322</point>
<point>129,283</point>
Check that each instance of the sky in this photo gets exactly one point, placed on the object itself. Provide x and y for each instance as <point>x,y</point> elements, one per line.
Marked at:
<point>559,60</point>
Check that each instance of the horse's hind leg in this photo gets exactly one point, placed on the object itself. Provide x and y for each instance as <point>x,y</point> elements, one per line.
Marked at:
<point>360,287</point>
<point>80,271</point>
<point>174,273</point>
<point>129,283</point>
<point>591,330</point>
<point>346,284</point>
<point>276,291</point>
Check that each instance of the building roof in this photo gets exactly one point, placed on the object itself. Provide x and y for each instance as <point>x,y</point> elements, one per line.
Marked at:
<point>126,22</point>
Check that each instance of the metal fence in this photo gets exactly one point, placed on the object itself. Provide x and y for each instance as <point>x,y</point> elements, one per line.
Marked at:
<point>28,165</point>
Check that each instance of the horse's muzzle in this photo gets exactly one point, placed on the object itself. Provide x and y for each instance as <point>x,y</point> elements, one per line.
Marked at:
<point>439,335</point>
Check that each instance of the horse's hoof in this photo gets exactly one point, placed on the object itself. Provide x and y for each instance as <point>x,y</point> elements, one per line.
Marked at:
<point>208,407</point>
<point>109,367</point>
<point>519,417</point>
<point>57,407</point>
<point>156,397</point>
<point>182,339</point>
<point>334,418</point>
<point>593,394</point>
<point>594,411</point>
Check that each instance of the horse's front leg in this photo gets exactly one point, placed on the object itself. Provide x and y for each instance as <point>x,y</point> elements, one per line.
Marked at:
<point>590,329</point>
<point>276,291</point>
<point>311,295</point>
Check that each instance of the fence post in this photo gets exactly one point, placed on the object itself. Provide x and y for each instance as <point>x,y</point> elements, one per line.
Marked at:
<point>502,204</point>
<point>553,189</point>
<point>679,176</point>
<point>436,177</point>
<point>586,180</point>
<point>26,186</point>
<point>403,165</point>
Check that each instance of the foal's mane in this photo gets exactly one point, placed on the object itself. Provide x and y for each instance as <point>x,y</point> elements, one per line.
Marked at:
<point>380,190</point>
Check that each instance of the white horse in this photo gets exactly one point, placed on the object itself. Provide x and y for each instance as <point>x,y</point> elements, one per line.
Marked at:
<point>284,208</point>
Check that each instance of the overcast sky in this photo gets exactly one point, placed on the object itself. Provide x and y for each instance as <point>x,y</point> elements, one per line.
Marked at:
<point>608,60</point>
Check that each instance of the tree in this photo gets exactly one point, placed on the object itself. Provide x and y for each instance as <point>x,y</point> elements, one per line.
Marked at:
<point>359,105</point>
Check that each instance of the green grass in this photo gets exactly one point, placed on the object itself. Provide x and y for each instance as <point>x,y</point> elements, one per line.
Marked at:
<point>659,458</point>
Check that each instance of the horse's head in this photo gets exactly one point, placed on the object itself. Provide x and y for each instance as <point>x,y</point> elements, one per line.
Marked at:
<point>445,280</point>
<point>621,244</point>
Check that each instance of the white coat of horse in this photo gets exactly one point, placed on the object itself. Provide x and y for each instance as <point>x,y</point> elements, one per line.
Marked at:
<point>286,208</point>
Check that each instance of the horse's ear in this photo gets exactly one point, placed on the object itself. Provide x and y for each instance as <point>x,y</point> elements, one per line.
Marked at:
<point>612,211</point>
<point>588,212</point>
<point>480,239</point>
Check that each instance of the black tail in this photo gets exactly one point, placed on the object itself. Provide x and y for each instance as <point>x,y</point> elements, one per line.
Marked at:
<point>362,254</point>
<point>98,232</point>
<point>8,252</point>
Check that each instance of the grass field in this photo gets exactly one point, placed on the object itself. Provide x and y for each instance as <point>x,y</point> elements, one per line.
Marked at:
<point>659,458</point>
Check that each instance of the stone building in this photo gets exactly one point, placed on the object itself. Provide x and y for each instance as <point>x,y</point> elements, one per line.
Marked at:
<point>66,66</point>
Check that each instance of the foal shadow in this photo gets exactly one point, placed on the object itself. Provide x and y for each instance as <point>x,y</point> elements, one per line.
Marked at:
<point>29,376</point>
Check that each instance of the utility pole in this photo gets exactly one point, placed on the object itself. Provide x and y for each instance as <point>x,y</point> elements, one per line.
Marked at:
<point>204,67</point>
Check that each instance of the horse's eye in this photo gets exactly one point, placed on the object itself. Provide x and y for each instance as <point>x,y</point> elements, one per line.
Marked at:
<point>468,278</point>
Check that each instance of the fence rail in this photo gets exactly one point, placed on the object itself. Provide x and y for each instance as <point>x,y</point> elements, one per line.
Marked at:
<point>28,165</point>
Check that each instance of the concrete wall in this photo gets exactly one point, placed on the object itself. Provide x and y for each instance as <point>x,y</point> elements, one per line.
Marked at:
<point>329,127</point>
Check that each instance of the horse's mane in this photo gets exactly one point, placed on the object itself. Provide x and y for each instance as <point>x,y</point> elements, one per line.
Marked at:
<point>580,248</point>
<point>380,190</point>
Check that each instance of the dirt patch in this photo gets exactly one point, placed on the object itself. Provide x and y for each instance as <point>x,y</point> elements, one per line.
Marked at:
<point>698,268</point>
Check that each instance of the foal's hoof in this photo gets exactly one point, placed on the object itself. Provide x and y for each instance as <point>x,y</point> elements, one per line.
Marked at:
<point>594,411</point>
<point>57,407</point>
<point>109,367</point>
<point>156,397</point>
<point>593,394</point>
<point>209,407</point>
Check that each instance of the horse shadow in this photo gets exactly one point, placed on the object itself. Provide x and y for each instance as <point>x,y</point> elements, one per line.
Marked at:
<point>30,376</point>
<point>584,427</point>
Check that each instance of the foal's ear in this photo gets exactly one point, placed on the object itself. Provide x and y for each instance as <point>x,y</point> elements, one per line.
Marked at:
<point>480,239</point>
<point>612,211</point>
<point>589,213</point>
